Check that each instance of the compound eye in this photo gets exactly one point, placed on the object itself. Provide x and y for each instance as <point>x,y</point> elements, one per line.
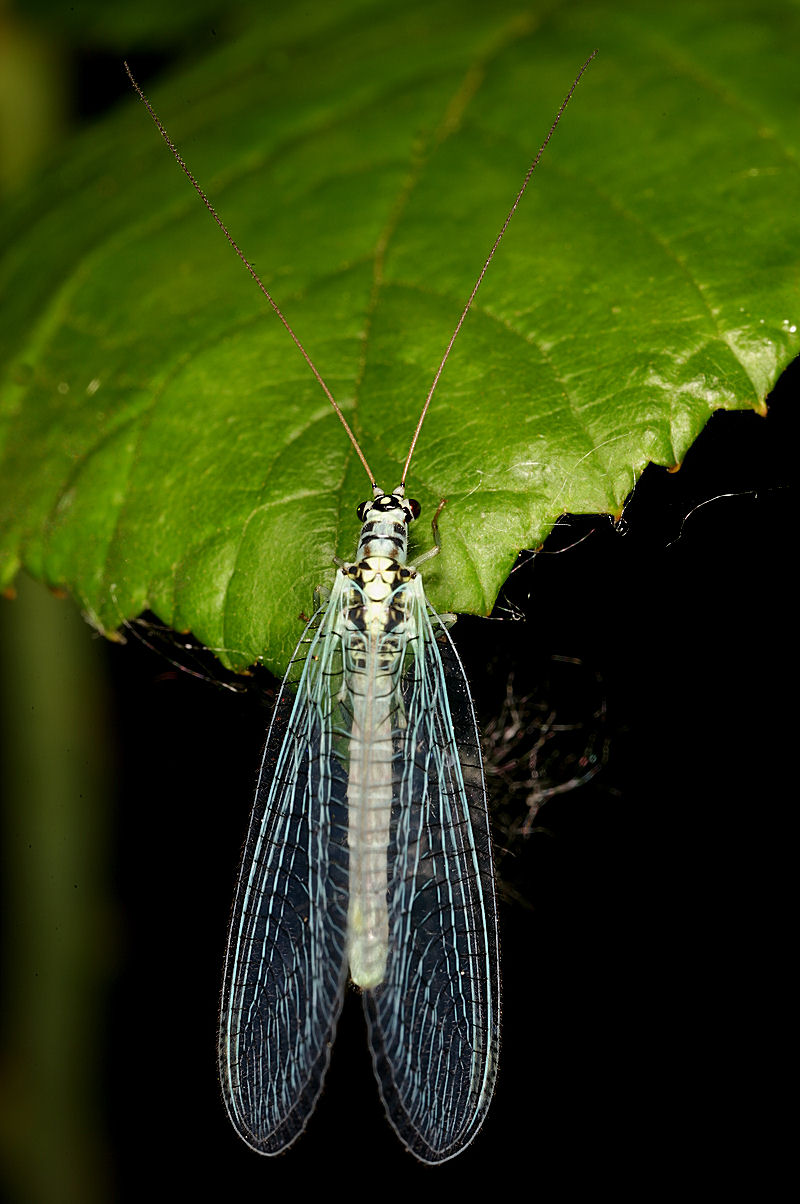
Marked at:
<point>414,509</point>
<point>361,511</point>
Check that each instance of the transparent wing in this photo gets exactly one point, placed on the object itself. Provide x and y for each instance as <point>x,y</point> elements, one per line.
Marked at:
<point>285,967</point>
<point>434,1020</point>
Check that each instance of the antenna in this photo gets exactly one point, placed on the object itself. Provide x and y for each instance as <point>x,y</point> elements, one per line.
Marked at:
<point>489,259</point>
<point>176,155</point>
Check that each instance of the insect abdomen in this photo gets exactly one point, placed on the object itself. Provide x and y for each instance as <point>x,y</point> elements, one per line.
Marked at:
<point>374,649</point>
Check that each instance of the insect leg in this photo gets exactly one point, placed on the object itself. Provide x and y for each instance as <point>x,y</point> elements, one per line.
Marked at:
<point>437,546</point>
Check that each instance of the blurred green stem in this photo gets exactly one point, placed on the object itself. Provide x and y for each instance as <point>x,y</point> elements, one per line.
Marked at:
<point>55,908</point>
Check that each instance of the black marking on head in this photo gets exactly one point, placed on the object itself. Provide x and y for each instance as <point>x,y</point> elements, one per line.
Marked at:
<point>386,503</point>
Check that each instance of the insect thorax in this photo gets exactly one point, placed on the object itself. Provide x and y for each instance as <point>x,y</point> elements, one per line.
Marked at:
<point>376,607</point>
<point>377,604</point>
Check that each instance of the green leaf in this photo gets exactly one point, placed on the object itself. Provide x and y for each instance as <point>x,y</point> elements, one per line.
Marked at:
<point>165,446</point>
